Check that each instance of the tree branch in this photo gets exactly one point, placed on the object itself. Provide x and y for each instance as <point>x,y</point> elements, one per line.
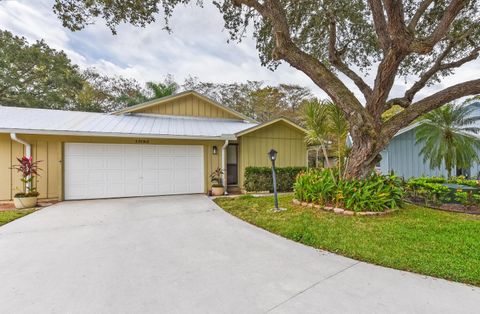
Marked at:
<point>380,23</point>
<point>426,45</point>
<point>418,85</point>
<point>396,20</point>
<point>335,59</point>
<point>418,14</point>
<point>392,59</point>
<point>407,116</point>
<point>407,99</point>
<point>384,80</point>
<point>287,50</point>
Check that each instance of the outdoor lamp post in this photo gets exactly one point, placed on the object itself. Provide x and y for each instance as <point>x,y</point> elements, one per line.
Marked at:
<point>273,156</point>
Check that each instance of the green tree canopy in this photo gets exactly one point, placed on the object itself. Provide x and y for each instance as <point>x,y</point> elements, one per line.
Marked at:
<point>421,39</point>
<point>449,137</point>
<point>103,93</point>
<point>255,99</point>
<point>36,75</point>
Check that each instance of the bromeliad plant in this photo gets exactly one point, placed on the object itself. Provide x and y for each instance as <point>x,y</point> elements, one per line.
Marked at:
<point>374,193</point>
<point>28,169</point>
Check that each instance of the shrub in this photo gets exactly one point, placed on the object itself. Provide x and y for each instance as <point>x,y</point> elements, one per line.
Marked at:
<point>375,193</point>
<point>433,191</point>
<point>315,186</point>
<point>260,178</point>
<point>476,199</point>
<point>462,198</point>
<point>461,180</point>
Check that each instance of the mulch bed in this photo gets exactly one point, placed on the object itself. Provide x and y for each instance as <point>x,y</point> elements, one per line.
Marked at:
<point>450,207</point>
<point>7,206</point>
<point>341,211</point>
<point>459,208</point>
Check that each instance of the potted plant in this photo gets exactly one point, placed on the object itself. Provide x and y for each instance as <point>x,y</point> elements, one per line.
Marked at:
<point>216,179</point>
<point>29,169</point>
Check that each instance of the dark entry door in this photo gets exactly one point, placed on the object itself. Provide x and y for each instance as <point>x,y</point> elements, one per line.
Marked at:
<point>232,164</point>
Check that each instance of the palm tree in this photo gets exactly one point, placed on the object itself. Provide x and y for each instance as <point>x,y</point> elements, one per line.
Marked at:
<point>152,91</point>
<point>448,137</point>
<point>326,126</point>
<point>338,131</point>
<point>160,90</point>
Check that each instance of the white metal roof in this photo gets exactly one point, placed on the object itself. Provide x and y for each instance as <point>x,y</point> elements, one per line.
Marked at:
<point>46,121</point>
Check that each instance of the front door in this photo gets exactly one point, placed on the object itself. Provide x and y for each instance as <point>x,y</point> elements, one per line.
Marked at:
<point>232,164</point>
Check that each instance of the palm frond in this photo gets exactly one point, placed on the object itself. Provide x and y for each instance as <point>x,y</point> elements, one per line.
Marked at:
<point>447,137</point>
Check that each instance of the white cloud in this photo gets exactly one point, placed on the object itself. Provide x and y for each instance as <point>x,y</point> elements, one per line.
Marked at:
<point>198,47</point>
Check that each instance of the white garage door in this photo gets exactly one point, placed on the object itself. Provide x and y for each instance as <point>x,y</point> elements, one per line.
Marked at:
<point>120,170</point>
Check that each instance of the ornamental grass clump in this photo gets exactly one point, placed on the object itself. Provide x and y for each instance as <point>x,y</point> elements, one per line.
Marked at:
<point>375,193</point>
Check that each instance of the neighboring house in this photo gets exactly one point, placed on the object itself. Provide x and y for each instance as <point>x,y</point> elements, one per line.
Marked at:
<point>165,146</point>
<point>403,157</point>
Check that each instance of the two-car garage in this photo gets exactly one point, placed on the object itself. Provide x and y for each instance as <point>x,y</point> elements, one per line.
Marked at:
<point>122,170</point>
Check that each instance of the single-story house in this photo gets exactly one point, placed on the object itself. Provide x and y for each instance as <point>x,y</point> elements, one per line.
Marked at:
<point>402,156</point>
<point>165,146</point>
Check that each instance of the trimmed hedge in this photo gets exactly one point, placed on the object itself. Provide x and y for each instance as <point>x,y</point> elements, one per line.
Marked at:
<point>260,178</point>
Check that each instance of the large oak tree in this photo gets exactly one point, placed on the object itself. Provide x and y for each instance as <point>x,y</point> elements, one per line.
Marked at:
<point>35,75</point>
<point>426,39</point>
<point>38,76</point>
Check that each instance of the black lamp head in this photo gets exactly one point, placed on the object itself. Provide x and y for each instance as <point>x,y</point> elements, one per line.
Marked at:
<point>272,154</point>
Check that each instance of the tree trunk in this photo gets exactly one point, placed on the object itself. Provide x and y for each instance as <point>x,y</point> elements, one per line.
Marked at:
<point>363,157</point>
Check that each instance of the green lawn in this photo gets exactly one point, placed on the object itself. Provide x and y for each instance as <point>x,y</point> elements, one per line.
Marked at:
<point>10,215</point>
<point>417,239</point>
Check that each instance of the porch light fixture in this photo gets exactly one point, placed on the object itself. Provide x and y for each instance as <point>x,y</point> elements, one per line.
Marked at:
<point>272,154</point>
<point>215,150</point>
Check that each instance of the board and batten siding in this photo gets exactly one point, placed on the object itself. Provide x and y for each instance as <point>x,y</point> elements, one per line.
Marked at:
<point>188,106</point>
<point>49,149</point>
<point>288,141</point>
<point>48,152</point>
<point>403,157</point>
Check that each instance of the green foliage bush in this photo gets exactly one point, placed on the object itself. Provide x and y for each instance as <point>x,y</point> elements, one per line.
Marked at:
<point>375,193</point>
<point>462,197</point>
<point>260,178</point>
<point>461,180</point>
<point>432,190</point>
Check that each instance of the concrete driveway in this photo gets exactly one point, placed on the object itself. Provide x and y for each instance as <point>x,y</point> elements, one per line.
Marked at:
<point>183,254</point>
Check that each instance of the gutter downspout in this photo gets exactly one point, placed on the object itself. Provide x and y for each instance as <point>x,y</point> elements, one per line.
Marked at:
<point>28,152</point>
<point>224,150</point>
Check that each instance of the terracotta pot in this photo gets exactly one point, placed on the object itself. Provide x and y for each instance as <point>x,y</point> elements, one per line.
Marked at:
<point>217,191</point>
<point>25,202</point>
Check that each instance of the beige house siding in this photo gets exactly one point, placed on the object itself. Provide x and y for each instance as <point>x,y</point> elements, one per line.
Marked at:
<point>188,106</point>
<point>49,149</point>
<point>285,139</point>
<point>8,153</point>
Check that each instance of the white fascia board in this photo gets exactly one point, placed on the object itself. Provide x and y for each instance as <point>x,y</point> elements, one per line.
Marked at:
<point>97,134</point>
<point>230,137</point>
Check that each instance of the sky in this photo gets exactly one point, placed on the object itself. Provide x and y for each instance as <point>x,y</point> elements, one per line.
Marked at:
<point>197,47</point>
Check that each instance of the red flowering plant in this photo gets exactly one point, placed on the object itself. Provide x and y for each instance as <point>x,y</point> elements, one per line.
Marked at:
<point>29,169</point>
